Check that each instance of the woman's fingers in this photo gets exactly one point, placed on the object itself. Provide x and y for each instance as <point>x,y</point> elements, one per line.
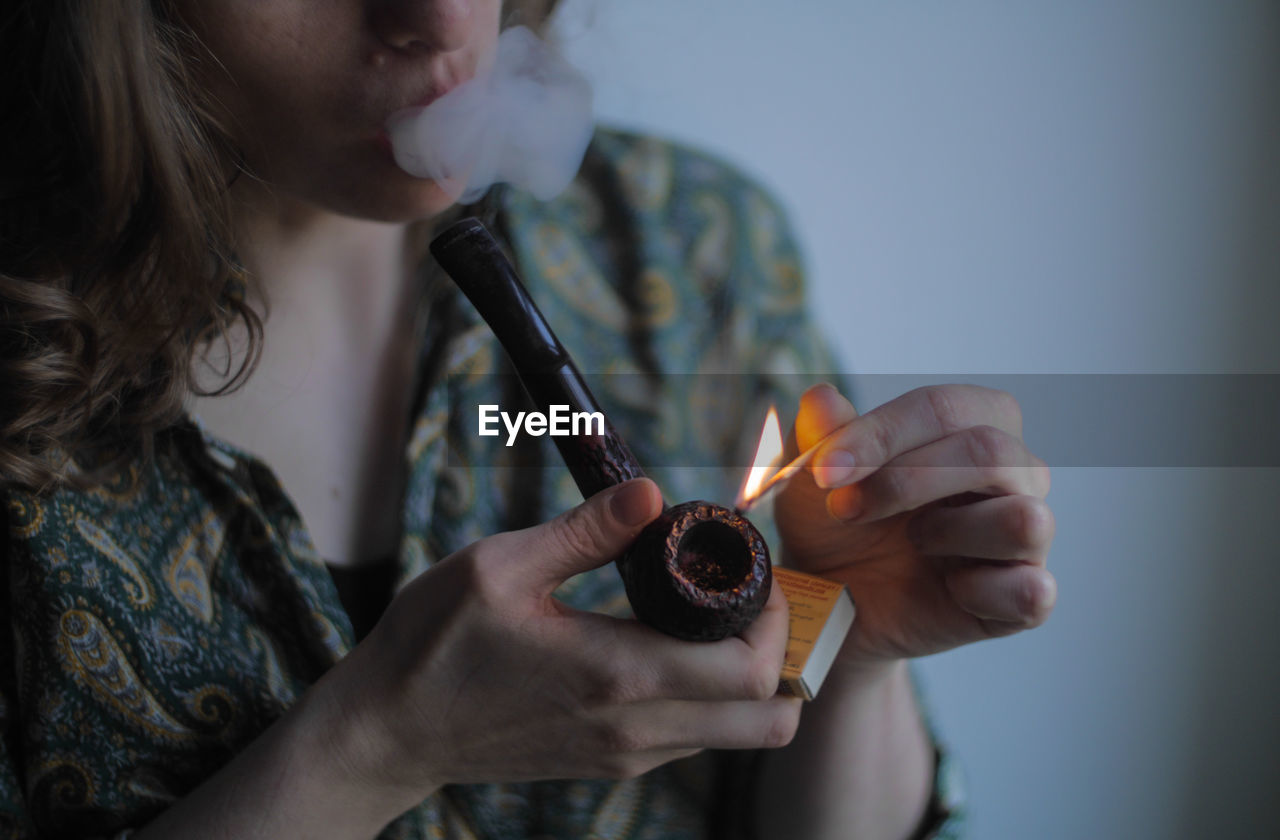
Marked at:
<point>584,538</point>
<point>1004,528</point>
<point>979,459</point>
<point>740,725</point>
<point>627,741</point>
<point>1005,598</point>
<point>823,409</point>
<point>909,422</point>
<point>632,732</point>
<point>636,663</point>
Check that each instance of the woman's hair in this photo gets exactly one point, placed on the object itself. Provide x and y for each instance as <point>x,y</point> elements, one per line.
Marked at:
<point>115,263</point>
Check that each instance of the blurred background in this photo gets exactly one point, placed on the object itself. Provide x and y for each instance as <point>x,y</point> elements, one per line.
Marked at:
<point>1022,194</point>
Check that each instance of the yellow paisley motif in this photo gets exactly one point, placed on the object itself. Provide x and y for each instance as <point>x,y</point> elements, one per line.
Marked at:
<point>658,297</point>
<point>565,492</point>
<point>456,490</point>
<point>212,704</point>
<point>733,348</point>
<point>576,279</point>
<point>57,557</point>
<point>625,385</point>
<point>647,175</point>
<point>330,636</point>
<point>187,574</point>
<point>763,227</point>
<point>148,784</point>
<point>90,655</point>
<point>65,781</point>
<point>137,586</point>
<point>122,486</point>
<point>619,810</point>
<point>738,337</point>
<point>169,640</point>
<point>428,430</point>
<point>584,205</point>
<point>270,659</point>
<point>717,402</point>
<point>669,431</point>
<point>783,364</point>
<point>709,259</point>
<point>25,517</point>
<point>786,289</point>
<point>414,557</point>
<point>459,827</point>
<point>787,292</point>
<point>471,354</point>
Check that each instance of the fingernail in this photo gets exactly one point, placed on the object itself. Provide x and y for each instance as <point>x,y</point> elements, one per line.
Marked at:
<point>834,468</point>
<point>845,505</point>
<point>631,504</point>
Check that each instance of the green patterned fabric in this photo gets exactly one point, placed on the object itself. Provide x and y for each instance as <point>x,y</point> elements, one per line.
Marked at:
<point>158,623</point>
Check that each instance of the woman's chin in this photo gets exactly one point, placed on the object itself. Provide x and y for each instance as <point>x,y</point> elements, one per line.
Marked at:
<point>366,187</point>
<point>407,199</point>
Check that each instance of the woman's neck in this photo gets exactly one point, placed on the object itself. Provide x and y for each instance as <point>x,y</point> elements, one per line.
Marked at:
<point>327,406</point>
<point>316,264</point>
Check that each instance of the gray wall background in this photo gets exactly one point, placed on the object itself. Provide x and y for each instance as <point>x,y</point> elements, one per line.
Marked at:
<point>1041,188</point>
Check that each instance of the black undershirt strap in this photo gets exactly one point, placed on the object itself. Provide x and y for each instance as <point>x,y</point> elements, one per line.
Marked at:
<point>365,591</point>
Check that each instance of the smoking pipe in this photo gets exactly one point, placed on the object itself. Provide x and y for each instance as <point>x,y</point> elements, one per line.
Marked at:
<point>700,571</point>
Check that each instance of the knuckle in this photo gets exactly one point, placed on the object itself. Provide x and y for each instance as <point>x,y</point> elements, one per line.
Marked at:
<point>945,408</point>
<point>613,685</point>
<point>782,727</point>
<point>575,534</point>
<point>1008,408</point>
<point>1041,476</point>
<point>988,446</point>
<point>891,485</point>
<point>620,739</point>
<point>1031,523</point>
<point>482,574</point>
<point>881,440</point>
<point>1035,601</point>
<point>760,681</point>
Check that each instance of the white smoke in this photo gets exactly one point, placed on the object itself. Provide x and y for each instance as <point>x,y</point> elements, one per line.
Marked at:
<point>527,122</point>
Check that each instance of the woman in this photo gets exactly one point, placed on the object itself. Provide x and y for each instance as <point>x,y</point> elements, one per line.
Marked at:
<point>178,661</point>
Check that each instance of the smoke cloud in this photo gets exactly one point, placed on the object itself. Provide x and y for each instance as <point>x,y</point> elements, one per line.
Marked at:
<point>527,122</point>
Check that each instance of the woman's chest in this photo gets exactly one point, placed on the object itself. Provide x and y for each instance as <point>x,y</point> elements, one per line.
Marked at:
<point>331,422</point>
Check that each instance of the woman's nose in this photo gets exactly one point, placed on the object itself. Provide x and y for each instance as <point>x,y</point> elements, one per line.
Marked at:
<point>434,25</point>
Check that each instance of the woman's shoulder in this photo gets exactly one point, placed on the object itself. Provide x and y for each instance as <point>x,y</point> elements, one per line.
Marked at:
<point>659,168</point>
<point>142,504</point>
<point>661,210</point>
<point>684,187</point>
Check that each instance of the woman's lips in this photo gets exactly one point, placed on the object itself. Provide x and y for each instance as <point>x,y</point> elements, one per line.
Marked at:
<point>383,139</point>
<point>432,95</point>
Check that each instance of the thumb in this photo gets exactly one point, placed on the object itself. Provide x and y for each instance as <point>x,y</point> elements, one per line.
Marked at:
<point>592,534</point>
<point>823,409</point>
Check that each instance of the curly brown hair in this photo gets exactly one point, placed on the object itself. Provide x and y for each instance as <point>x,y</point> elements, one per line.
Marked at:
<point>115,263</point>
<point>114,185</point>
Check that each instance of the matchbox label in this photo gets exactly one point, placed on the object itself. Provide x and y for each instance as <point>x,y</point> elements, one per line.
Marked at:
<point>810,600</point>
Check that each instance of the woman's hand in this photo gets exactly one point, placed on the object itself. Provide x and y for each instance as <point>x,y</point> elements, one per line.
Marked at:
<point>931,510</point>
<point>476,673</point>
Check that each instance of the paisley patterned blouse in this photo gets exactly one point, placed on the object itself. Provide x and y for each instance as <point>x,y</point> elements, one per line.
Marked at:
<point>156,624</point>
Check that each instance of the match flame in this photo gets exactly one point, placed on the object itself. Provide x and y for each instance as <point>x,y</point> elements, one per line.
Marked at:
<point>768,456</point>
